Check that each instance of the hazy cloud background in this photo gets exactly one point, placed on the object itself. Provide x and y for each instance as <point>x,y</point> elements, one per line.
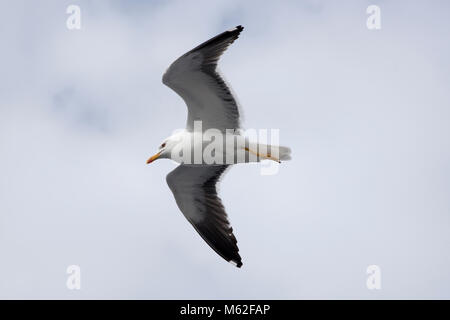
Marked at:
<point>366,114</point>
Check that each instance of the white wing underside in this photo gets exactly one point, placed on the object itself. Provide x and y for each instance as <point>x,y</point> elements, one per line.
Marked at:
<point>195,78</point>
<point>195,191</point>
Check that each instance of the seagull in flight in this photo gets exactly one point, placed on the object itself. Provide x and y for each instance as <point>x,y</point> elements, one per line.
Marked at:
<point>210,102</point>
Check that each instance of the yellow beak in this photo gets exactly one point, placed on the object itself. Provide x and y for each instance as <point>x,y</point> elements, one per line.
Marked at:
<point>153,158</point>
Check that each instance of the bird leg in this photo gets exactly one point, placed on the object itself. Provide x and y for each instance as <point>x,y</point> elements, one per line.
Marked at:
<point>264,156</point>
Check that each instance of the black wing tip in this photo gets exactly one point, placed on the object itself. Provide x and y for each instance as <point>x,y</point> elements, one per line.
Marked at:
<point>237,30</point>
<point>237,263</point>
<point>227,36</point>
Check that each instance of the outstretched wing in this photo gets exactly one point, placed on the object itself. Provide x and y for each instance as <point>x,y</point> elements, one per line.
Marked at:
<point>194,188</point>
<point>195,78</point>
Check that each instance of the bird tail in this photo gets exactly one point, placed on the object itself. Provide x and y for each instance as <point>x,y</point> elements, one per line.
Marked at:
<point>270,152</point>
<point>284,153</point>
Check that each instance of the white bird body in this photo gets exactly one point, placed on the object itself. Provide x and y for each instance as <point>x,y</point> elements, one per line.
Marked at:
<point>197,148</point>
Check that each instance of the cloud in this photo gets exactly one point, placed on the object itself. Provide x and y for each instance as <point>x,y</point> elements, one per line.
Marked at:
<point>365,113</point>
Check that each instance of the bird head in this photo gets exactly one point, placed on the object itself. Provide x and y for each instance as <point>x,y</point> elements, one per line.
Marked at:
<point>165,149</point>
<point>161,153</point>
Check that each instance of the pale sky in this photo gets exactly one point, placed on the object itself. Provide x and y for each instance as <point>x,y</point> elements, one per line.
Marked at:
<point>365,113</point>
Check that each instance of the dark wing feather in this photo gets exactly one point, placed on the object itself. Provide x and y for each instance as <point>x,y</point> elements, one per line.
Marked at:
<point>195,78</point>
<point>194,188</point>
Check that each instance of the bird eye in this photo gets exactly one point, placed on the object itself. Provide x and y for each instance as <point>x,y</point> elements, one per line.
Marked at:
<point>163,145</point>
